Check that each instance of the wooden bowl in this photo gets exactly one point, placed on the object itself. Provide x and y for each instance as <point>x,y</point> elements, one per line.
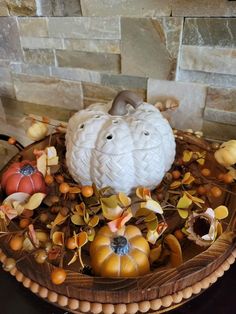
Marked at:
<point>155,292</point>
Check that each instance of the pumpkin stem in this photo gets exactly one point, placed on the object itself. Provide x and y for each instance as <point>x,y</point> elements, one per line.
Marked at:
<point>27,170</point>
<point>120,245</point>
<point>120,102</point>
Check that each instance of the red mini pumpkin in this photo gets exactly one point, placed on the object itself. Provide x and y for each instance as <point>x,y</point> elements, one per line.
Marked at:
<point>23,177</point>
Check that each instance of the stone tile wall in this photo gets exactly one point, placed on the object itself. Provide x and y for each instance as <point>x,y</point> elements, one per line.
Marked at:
<point>59,56</point>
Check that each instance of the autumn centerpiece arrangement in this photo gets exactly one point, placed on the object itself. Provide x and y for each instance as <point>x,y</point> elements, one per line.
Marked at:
<point>67,207</point>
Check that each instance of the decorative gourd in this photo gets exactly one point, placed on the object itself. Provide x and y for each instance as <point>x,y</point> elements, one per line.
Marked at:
<point>23,177</point>
<point>122,148</point>
<point>125,254</point>
<point>226,154</point>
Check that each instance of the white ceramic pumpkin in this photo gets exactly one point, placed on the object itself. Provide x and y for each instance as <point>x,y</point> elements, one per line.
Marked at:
<point>127,146</point>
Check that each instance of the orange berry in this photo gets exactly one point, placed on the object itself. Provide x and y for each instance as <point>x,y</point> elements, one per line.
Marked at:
<point>11,141</point>
<point>228,178</point>
<point>24,222</point>
<point>205,172</point>
<point>216,192</point>
<point>27,213</point>
<point>179,234</point>
<point>87,191</point>
<point>176,174</point>
<point>58,276</point>
<point>201,190</point>
<point>221,176</point>
<point>64,188</point>
<point>70,243</point>
<point>59,178</point>
<point>16,242</point>
<point>49,179</point>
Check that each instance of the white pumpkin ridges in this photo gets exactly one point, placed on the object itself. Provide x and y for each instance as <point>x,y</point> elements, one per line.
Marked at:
<point>126,152</point>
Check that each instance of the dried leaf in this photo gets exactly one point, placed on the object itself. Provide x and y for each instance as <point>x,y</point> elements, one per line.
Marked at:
<point>143,193</point>
<point>118,223</point>
<point>74,258</point>
<point>8,211</point>
<point>152,236</point>
<point>42,164</point>
<point>93,221</point>
<point>77,220</point>
<point>112,213</point>
<point>74,189</point>
<point>153,206</point>
<point>81,239</point>
<point>155,253</point>
<point>184,202</point>
<point>59,220</point>
<point>109,202</point>
<point>152,225</point>
<point>175,185</point>
<point>187,155</point>
<point>58,238</point>
<point>188,178</point>
<point>32,235</point>
<point>34,201</point>
<point>142,212</point>
<point>124,199</point>
<point>221,212</point>
<point>183,213</point>
<point>79,209</point>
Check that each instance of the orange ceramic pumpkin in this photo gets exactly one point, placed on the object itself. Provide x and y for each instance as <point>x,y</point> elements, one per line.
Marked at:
<point>122,254</point>
<point>23,177</point>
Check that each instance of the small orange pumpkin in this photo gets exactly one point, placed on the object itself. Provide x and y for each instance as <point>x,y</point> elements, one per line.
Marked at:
<point>122,254</point>
<point>23,177</point>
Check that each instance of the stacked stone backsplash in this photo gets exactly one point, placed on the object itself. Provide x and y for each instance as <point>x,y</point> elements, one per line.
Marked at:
<point>59,56</point>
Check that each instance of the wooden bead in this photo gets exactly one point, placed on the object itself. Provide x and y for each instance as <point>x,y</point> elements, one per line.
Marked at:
<point>43,292</point>
<point>62,300</point>
<point>13,272</point>
<point>84,306</point>
<point>187,292</point>
<point>177,297</point>
<point>120,309</point>
<point>231,259</point>
<point>144,306</point>
<point>34,287</point>
<point>108,308</point>
<point>226,265</point>
<point>205,283</point>
<point>213,278</point>
<point>96,308</point>
<point>234,253</point>
<point>197,288</point>
<point>219,272</point>
<point>52,296</point>
<point>167,301</point>
<point>156,304</point>
<point>73,304</point>
<point>132,308</point>
<point>26,282</point>
<point>19,276</point>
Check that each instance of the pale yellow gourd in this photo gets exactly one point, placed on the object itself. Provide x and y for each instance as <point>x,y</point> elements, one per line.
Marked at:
<point>226,154</point>
<point>122,254</point>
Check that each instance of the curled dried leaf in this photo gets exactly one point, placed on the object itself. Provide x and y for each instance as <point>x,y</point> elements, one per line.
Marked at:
<point>77,220</point>
<point>93,221</point>
<point>143,193</point>
<point>155,253</point>
<point>34,201</point>
<point>81,239</point>
<point>118,223</point>
<point>58,238</point>
<point>124,199</point>
<point>153,206</point>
